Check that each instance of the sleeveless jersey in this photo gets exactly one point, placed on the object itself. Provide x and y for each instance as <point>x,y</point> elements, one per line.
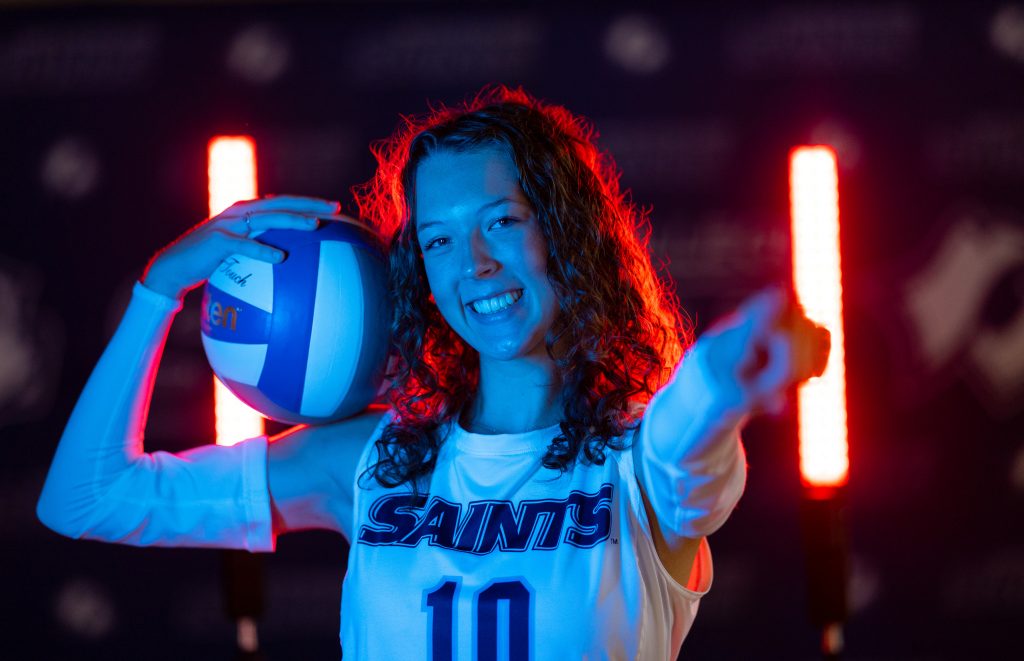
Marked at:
<point>501,558</point>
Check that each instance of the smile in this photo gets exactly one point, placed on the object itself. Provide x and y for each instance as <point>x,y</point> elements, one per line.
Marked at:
<point>497,303</point>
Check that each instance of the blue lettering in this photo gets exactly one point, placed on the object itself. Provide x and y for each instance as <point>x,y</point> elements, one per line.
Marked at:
<point>593,517</point>
<point>470,531</point>
<point>438,524</point>
<point>582,520</point>
<point>394,515</point>
<point>512,532</point>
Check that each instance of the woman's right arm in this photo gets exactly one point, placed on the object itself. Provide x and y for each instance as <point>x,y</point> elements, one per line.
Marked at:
<point>101,484</point>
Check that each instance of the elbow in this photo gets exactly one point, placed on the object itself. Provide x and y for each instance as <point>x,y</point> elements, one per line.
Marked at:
<point>49,515</point>
<point>55,511</point>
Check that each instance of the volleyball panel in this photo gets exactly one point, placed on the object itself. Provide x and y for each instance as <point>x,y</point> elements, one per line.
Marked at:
<point>240,363</point>
<point>227,318</point>
<point>376,324</point>
<point>335,339</point>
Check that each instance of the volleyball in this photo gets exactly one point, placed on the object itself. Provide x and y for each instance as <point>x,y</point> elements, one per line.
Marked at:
<point>304,340</point>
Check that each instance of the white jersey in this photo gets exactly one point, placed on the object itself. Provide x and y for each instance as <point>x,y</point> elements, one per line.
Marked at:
<point>501,558</point>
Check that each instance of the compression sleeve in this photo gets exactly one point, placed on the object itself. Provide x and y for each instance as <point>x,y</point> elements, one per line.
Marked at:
<point>688,454</point>
<point>103,486</point>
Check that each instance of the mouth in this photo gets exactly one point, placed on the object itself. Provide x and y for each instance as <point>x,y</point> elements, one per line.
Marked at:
<point>496,304</point>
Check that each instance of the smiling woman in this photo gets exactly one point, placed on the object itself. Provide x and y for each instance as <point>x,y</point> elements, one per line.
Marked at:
<point>531,332</point>
<point>543,481</point>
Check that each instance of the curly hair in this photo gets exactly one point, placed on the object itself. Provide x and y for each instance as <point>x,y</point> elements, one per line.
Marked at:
<point>621,326</point>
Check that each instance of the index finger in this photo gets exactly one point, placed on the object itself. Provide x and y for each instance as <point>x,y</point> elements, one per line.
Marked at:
<point>762,311</point>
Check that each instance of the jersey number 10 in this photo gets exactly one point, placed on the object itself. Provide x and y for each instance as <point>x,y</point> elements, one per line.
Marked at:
<point>440,604</point>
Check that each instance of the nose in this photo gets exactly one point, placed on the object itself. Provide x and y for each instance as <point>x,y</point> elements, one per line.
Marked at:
<point>477,258</point>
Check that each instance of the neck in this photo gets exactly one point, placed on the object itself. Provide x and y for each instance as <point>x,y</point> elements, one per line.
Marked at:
<point>514,397</point>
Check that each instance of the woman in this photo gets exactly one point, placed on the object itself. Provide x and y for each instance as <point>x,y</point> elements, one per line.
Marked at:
<point>545,477</point>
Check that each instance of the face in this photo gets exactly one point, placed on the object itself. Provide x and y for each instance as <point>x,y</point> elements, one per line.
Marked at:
<point>484,253</point>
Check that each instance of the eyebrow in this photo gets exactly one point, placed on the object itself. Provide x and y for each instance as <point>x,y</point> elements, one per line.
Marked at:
<point>485,207</point>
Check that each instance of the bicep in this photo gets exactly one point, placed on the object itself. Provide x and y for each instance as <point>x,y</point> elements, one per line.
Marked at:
<point>311,472</point>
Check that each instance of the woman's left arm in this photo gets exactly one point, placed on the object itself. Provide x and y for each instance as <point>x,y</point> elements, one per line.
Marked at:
<point>688,457</point>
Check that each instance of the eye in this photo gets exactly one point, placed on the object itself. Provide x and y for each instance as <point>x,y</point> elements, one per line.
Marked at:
<point>507,219</point>
<point>430,244</point>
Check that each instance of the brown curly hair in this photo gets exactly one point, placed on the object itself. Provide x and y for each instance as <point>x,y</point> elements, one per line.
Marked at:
<point>620,325</point>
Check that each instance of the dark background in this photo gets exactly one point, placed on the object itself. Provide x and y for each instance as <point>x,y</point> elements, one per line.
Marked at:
<point>106,111</point>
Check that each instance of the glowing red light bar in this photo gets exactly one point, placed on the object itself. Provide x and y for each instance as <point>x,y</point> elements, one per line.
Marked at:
<point>231,168</point>
<point>814,211</point>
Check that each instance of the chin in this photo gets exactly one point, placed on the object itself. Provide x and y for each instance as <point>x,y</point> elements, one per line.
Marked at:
<point>518,351</point>
<point>497,353</point>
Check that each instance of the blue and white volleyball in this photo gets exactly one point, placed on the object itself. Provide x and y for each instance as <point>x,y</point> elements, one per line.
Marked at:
<point>305,340</point>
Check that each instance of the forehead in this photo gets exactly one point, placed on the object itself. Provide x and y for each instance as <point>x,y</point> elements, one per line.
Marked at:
<point>451,185</point>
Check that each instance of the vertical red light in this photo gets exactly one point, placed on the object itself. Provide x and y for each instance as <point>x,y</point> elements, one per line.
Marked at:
<point>821,401</point>
<point>814,211</point>
<point>231,173</point>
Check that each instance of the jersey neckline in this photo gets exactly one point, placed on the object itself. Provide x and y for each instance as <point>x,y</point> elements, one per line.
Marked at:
<point>501,444</point>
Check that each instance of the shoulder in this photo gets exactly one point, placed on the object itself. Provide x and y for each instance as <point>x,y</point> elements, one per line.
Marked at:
<point>357,428</point>
<point>344,436</point>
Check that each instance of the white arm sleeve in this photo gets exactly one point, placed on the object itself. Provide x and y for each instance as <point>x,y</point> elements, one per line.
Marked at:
<point>103,486</point>
<point>688,456</point>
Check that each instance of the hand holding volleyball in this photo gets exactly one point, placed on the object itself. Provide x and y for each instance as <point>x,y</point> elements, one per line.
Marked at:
<point>302,340</point>
<point>757,353</point>
<point>188,261</point>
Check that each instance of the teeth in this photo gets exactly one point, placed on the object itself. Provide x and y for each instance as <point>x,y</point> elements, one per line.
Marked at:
<point>498,303</point>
